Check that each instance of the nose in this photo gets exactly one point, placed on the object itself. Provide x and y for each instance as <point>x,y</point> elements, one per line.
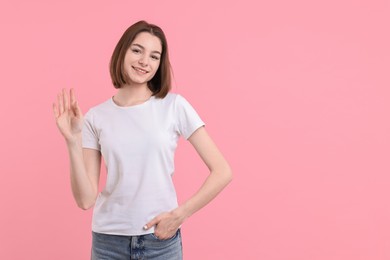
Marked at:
<point>143,60</point>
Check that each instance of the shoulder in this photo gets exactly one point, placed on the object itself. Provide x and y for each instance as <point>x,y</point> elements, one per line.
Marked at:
<point>98,108</point>
<point>182,102</point>
<point>176,98</point>
<point>174,102</point>
<point>171,96</point>
<point>170,99</point>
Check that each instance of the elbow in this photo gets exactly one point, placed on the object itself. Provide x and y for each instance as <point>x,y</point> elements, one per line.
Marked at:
<point>229,175</point>
<point>84,205</point>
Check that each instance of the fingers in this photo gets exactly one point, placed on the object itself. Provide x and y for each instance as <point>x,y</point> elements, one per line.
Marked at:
<point>76,109</point>
<point>166,235</point>
<point>60,103</point>
<point>55,110</point>
<point>74,104</point>
<point>152,223</point>
<point>72,97</point>
<point>66,102</point>
<point>66,99</point>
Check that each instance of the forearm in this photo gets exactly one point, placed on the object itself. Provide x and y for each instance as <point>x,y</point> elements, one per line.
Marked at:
<point>214,184</point>
<point>82,188</point>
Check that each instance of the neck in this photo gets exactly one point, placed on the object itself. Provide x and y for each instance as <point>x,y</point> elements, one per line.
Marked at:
<point>132,92</point>
<point>129,94</point>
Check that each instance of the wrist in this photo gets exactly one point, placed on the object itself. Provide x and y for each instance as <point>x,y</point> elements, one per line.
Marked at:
<point>76,140</point>
<point>182,212</point>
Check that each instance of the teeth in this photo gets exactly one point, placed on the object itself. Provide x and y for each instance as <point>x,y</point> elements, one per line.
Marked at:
<point>140,70</point>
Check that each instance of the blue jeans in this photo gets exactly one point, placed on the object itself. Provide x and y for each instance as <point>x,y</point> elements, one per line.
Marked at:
<point>145,247</point>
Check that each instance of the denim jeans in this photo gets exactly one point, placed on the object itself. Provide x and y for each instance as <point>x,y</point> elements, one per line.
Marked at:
<point>143,247</point>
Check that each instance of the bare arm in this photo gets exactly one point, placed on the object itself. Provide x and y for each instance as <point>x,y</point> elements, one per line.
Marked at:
<point>84,163</point>
<point>220,176</point>
<point>84,173</point>
<point>220,173</point>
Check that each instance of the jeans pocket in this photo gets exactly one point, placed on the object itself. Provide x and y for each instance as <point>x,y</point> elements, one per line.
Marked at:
<point>167,239</point>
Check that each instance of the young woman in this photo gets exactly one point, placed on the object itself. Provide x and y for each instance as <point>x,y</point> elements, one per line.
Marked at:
<point>136,215</point>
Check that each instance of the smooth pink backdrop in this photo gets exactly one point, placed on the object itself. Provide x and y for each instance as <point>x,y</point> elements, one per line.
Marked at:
<point>294,93</point>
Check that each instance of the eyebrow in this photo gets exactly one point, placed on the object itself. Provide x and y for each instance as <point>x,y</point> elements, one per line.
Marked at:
<point>142,47</point>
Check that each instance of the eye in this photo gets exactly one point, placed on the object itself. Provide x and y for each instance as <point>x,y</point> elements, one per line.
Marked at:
<point>155,57</point>
<point>136,51</point>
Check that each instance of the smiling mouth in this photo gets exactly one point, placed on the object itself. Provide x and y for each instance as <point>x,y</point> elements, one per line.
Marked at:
<point>140,70</point>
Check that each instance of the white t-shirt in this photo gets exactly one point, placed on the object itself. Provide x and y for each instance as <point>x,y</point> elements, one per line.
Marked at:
<point>138,145</point>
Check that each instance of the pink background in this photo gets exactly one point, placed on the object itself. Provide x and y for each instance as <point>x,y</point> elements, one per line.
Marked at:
<point>294,93</point>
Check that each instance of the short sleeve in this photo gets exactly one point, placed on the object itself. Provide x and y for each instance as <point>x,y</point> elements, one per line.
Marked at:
<point>187,119</point>
<point>90,138</point>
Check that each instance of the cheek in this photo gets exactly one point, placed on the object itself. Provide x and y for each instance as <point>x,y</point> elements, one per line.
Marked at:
<point>153,74</point>
<point>156,66</point>
<point>129,59</point>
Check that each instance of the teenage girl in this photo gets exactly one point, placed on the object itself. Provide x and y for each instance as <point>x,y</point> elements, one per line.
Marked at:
<point>136,215</point>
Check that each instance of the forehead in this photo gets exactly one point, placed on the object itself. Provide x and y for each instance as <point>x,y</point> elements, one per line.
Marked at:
<point>148,41</point>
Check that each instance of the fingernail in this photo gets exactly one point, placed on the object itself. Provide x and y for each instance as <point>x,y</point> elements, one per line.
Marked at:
<point>145,227</point>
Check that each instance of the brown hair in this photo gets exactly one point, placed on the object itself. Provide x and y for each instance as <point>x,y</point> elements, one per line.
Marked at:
<point>160,84</point>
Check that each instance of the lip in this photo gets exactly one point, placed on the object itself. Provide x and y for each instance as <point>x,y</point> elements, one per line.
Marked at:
<point>140,69</point>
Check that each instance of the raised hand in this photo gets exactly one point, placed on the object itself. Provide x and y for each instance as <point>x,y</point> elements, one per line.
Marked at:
<point>68,115</point>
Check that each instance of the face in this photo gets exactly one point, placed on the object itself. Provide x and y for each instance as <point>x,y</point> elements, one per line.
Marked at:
<point>142,58</point>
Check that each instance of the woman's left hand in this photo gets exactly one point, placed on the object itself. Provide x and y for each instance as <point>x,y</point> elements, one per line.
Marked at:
<point>166,224</point>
